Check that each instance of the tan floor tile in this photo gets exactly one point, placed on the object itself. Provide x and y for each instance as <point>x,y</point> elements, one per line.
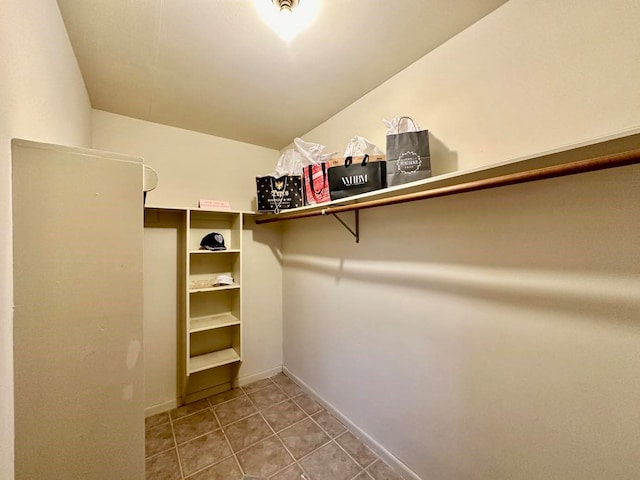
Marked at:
<point>287,385</point>
<point>189,408</point>
<point>294,472</point>
<point>247,431</point>
<point>156,420</point>
<point>283,415</point>
<point>255,386</point>
<point>381,471</point>
<point>303,438</point>
<point>158,439</point>
<point>329,423</point>
<point>187,428</point>
<point>225,470</point>
<point>267,396</point>
<point>264,458</point>
<point>163,467</point>
<point>358,450</point>
<point>308,404</point>
<point>330,463</point>
<point>225,396</point>
<point>203,451</point>
<point>234,410</point>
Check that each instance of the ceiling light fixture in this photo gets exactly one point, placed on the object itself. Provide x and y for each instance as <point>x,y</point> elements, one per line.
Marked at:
<point>286,5</point>
<point>287,17</point>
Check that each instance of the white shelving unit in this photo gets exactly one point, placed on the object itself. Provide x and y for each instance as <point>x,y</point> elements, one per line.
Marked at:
<point>212,314</point>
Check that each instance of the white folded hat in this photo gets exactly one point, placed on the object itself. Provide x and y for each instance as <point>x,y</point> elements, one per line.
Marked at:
<point>223,280</point>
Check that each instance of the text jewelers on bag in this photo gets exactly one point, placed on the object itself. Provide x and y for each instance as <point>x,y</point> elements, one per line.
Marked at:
<point>409,163</point>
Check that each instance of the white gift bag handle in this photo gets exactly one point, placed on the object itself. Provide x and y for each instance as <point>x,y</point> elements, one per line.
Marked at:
<point>415,127</point>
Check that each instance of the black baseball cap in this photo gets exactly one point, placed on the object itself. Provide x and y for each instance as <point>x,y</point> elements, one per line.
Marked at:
<point>213,241</point>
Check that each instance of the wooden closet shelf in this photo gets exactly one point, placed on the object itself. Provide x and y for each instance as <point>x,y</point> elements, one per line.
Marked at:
<point>582,166</point>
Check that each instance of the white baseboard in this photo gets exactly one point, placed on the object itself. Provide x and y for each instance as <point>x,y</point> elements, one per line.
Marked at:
<point>258,376</point>
<point>382,452</point>
<point>160,408</point>
<point>171,404</point>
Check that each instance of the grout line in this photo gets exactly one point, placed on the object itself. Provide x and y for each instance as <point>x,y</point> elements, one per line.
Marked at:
<point>358,474</point>
<point>280,388</point>
<point>175,442</point>
<point>274,432</point>
<point>288,426</point>
<point>219,427</point>
<point>235,457</point>
<point>257,390</point>
<point>326,430</point>
<point>314,451</point>
<point>269,406</point>
<point>339,446</point>
<point>284,391</point>
<point>398,474</point>
<point>208,466</point>
<point>372,464</point>
<point>157,454</point>
<point>199,436</point>
<point>146,428</point>
<point>308,398</point>
<point>283,469</point>
<point>190,414</point>
<point>351,457</point>
<point>237,420</point>
<point>207,433</point>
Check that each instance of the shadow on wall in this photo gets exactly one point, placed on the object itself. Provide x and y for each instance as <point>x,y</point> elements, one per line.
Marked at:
<point>580,223</point>
<point>443,160</point>
<point>269,235</point>
<point>564,244</point>
<point>587,295</point>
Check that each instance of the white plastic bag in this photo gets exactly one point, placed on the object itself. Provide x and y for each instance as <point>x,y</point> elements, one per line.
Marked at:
<point>311,153</point>
<point>290,163</point>
<point>360,146</point>
<point>401,124</point>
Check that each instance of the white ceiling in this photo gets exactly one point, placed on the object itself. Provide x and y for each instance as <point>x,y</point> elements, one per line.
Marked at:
<point>213,66</point>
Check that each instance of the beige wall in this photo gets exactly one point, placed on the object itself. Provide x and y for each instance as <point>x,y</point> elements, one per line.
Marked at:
<point>161,249</point>
<point>191,166</point>
<point>529,77</point>
<point>493,334</point>
<point>42,97</point>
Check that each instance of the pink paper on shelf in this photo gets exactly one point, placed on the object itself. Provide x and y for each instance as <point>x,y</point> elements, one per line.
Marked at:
<point>214,204</point>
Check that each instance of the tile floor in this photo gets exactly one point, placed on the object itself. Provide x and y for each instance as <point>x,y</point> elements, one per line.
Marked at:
<point>269,429</point>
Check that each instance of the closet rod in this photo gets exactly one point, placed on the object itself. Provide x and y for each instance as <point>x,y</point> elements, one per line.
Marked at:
<point>582,166</point>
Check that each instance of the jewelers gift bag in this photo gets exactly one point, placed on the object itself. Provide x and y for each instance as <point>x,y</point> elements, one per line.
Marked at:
<point>408,155</point>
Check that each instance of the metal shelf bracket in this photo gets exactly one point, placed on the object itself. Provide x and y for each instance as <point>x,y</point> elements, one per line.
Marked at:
<point>355,233</point>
